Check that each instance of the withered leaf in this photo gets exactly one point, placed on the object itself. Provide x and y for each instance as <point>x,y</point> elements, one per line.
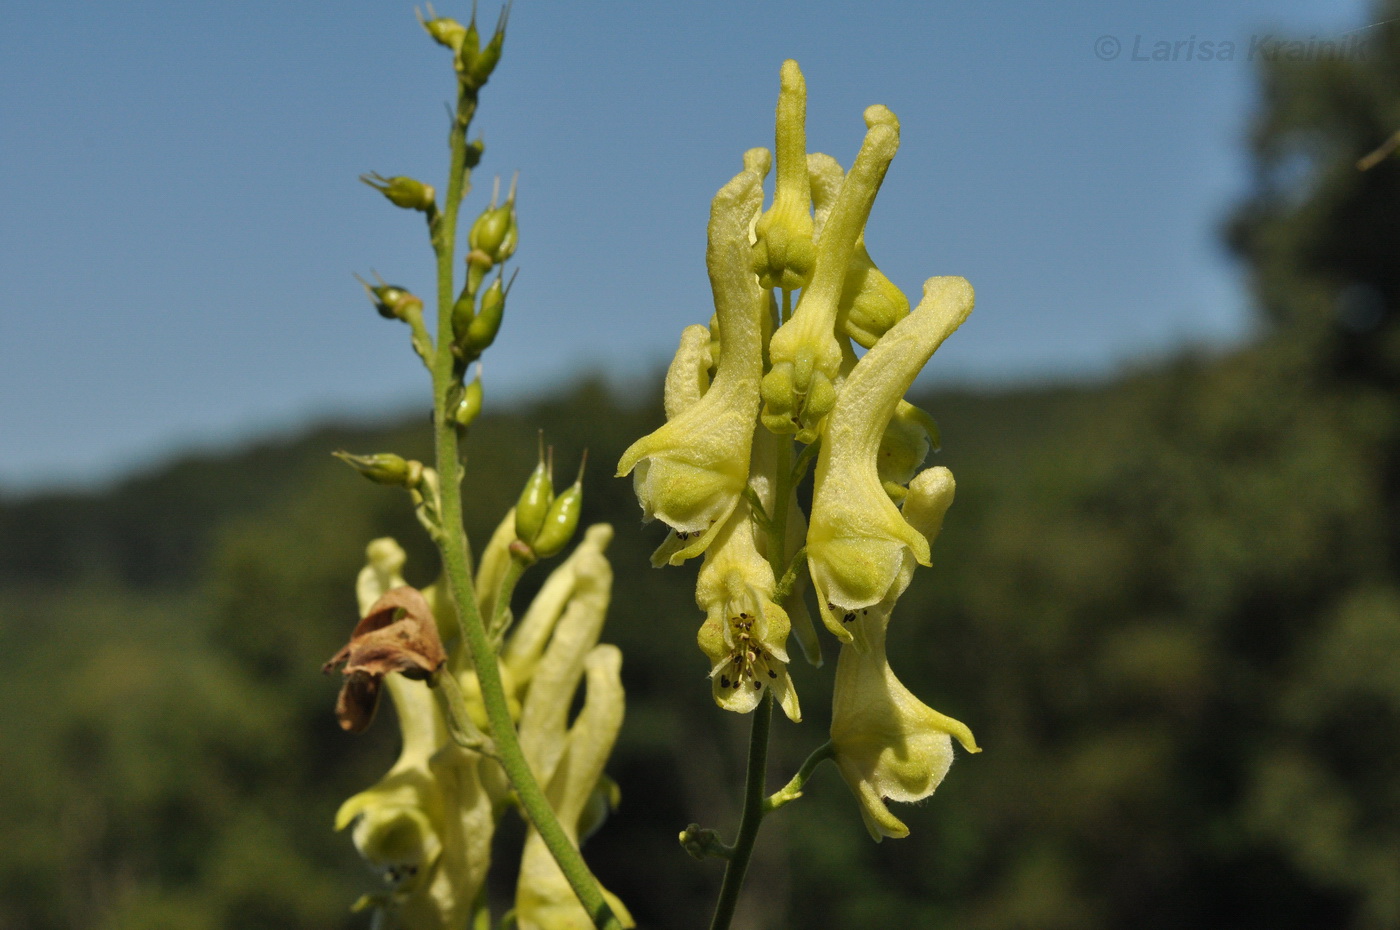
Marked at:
<point>398,634</point>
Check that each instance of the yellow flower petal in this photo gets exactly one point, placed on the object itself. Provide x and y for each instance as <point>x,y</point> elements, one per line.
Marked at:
<point>888,744</point>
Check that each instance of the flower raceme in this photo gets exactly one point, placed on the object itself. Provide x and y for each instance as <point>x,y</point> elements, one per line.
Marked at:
<point>771,388</point>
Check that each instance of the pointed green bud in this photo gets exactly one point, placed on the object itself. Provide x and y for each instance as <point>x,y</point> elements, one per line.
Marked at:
<point>469,406</point>
<point>393,303</point>
<point>562,519</point>
<point>403,192</point>
<point>470,46</point>
<point>463,310</point>
<point>384,468</point>
<point>475,64</point>
<point>533,505</point>
<point>491,233</point>
<point>482,329</point>
<point>446,32</point>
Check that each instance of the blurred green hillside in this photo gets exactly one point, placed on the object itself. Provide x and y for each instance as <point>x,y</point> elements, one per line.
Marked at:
<point>1168,605</point>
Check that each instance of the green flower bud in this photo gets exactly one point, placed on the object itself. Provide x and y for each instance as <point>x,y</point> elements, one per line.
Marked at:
<point>446,32</point>
<point>403,192</point>
<point>393,303</point>
<point>384,468</point>
<point>475,64</point>
<point>562,518</point>
<point>475,149</point>
<point>469,406</point>
<point>533,505</point>
<point>482,329</point>
<point>463,309</point>
<point>491,233</point>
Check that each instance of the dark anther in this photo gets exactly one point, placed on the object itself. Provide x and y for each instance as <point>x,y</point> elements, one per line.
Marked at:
<point>772,674</point>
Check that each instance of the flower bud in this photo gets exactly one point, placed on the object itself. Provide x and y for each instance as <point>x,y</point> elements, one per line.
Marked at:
<point>808,340</point>
<point>384,468</point>
<point>474,63</point>
<point>561,520</point>
<point>493,234</point>
<point>446,32</point>
<point>393,303</point>
<point>484,326</point>
<point>467,409</point>
<point>403,192</point>
<point>910,436</point>
<point>475,149</point>
<point>533,506</point>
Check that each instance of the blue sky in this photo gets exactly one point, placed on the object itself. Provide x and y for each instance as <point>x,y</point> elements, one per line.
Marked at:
<point>182,216</point>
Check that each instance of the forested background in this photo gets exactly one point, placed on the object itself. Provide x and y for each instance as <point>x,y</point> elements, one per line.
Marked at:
<point>1167,604</point>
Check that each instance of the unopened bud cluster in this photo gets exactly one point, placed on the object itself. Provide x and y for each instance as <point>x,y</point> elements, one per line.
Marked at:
<point>722,473</point>
<point>545,522</point>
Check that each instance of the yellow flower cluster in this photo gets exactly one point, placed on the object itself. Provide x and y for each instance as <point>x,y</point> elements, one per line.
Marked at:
<point>767,373</point>
<point>427,825</point>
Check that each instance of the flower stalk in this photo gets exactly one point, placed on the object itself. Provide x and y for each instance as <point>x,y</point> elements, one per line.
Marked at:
<point>454,548</point>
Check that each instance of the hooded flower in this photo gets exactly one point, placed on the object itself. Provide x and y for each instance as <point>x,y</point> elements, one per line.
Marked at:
<point>745,633</point>
<point>857,541</point>
<point>692,470</point>
<point>783,251</point>
<point>888,744</point>
<point>806,355</point>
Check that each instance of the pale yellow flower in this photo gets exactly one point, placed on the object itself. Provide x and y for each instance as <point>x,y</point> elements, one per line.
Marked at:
<point>805,352</point>
<point>857,541</point>
<point>745,632</point>
<point>691,472</point>
<point>783,252</point>
<point>427,824</point>
<point>888,744</point>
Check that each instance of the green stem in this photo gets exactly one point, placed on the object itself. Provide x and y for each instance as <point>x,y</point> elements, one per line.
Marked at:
<point>453,546</point>
<point>752,817</point>
<point>755,783</point>
<point>501,604</point>
<point>793,789</point>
